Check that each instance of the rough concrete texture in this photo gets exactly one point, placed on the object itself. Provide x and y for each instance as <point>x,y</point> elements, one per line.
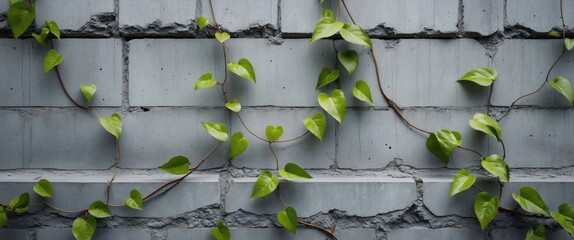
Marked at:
<point>445,234</point>
<point>279,234</point>
<point>484,17</point>
<point>71,14</point>
<point>101,234</point>
<point>540,16</point>
<point>232,14</point>
<point>136,17</point>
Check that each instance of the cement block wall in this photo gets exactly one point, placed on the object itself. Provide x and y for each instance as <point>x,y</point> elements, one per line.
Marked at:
<point>374,177</point>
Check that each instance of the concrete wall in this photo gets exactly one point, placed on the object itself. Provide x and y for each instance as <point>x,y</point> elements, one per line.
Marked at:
<point>374,177</point>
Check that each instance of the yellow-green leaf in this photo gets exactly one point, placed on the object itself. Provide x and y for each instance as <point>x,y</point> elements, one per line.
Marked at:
<point>316,125</point>
<point>568,43</point>
<point>554,34</point>
<point>288,219</point>
<point>52,60</point>
<point>495,165</point>
<point>41,38</point>
<point>481,76</point>
<point>363,92</point>
<point>327,76</point>
<point>562,85</point>
<point>349,59</point>
<point>234,105</point>
<point>113,124</point>
<point>461,182</point>
<point>135,200</point>
<point>273,133</point>
<point>54,29</point>
<point>484,123</point>
<point>222,37</point>
<point>292,171</point>
<point>335,104</point>
<point>176,165</point>
<point>243,68</point>
<point>88,90</point>
<point>442,143</point>
<point>20,203</point>
<point>326,27</point>
<point>202,22</point>
<point>217,130</point>
<point>355,34</point>
<point>84,229</point>
<point>485,208</point>
<point>266,183</point>
<point>565,217</point>
<point>99,209</point>
<point>206,80</point>
<point>221,232</point>
<point>20,17</point>
<point>238,144</point>
<point>43,188</point>
<point>3,216</point>
<point>537,233</point>
<point>530,200</point>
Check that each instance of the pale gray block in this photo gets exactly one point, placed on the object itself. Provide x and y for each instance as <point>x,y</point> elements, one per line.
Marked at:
<point>16,234</point>
<point>540,16</point>
<point>239,15</point>
<point>71,14</point>
<point>521,233</point>
<point>12,139</point>
<point>271,233</point>
<point>441,233</point>
<point>483,16</point>
<point>100,234</point>
<point>145,12</point>
<point>363,196</point>
<point>4,6</point>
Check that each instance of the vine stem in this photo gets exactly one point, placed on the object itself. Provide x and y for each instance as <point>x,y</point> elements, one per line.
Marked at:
<point>115,173</point>
<point>274,156</point>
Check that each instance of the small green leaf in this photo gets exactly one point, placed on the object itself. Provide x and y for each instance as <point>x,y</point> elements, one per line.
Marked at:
<point>99,209</point>
<point>234,105</point>
<point>562,85</point>
<point>326,27</point>
<point>221,232</point>
<point>202,22</point>
<point>461,182</point>
<point>88,90</point>
<point>43,188</point>
<point>176,165</point>
<point>113,125</point>
<point>222,37</point>
<point>363,92</point>
<point>554,34</point>
<point>41,38</point>
<point>349,59</point>
<point>568,43</point>
<point>327,14</point>
<point>536,234</point>
<point>481,76</point>
<point>484,123</point>
<point>52,60</point>
<point>217,130</point>
<point>355,34</point>
<point>243,68</point>
<point>54,29</point>
<point>443,143</point>
<point>565,217</point>
<point>3,217</point>
<point>288,219</point>
<point>266,183</point>
<point>84,229</point>
<point>292,171</point>
<point>495,165</point>
<point>20,17</point>
<point>530,200</point>
<point>316,125</point>
<point>206,80</point>
<point>238,144</point>
<point>335,104</point>
<point>135,200</point>
<point>15,1</point>
<point>485,208</point>
<point>566,210</point>
<point>273,133</point>
<point>20,203</point>
<point>327,76</point>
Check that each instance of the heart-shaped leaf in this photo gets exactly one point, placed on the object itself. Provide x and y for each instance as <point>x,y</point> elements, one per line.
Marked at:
<point>52,60</point>
<point>222,37</point>
<point>238,144</point>
<point>3,216</point>
<point>363,92</point>
<point>316,125</point>
<point>530,200</point>
<point>536,234</point>
<point>495,165</point>
<point>99,209</point>
<point>266,183</point>
<point>443,143</point>
<point>43,188</point>
<point>335,104</point>
<point>484,123</point>
<point>206,80</point>
<point>20,16</point>
<point>288,219</point>
<point>135,200</point>
<point>84,229</point>
<point>41,38</point>
<point>54,29</point>
<point>202,22</point>
<point>562,85</point>
<point>292,171</point>
<point>349,59</point>
<point>88,90</point>
<point>217,130</point>
<point>327,76</point>
<point>221,232</point>
<point>481,76</point>
<point>243,68</point>
<point>355,34</point>
<point>234,105</point>
<point>113,124</point>
<point>554,34</point>
<point>485,208</point>
<point>568,43</point>
<point>273,133</point>
<point>461,182</point>
<point>326,27</point>
<point>20,203</point>
<point>176,165</point>
<point>565,217</point>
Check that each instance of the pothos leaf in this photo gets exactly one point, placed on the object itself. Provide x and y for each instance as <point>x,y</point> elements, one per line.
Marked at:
<point>349,59</point>
<point>335,104</point>
<point>20,203</point>
<point>234,105</point>
<point>84,229</point>
<point>43,188</point>
<point>20,17</point>
<point>222,37</point>
<point>355,34</point>
<point>326,27</point>
<point>530,200</point>
<point>495,165</point>
<point>206,80</point>
<point>568,43</point>
<point>316,125</point>
<point>176,165</point>
<point>481,76</point>
<point>54,29</point>
<point>363,92</point>
<point>288,219</point>
<point>221,232</point>
<point>485,208</point>
<point>327,76</point>
<point>243,68</point>
<point>562,85</point>
<point>135,200</point>
<point>484,123</point>
<point>461,182</point>
<point>113,124</point>
<point>238,144</point>
<point>537,233</point>
<point>99,209</point>
<point>41,38</point>
<point>273,133</point>
<point>88,90</point>
<point>442,143</point>
<point>266,183</point>
<point>292,171</point>
<point>217,130</point>
<point>52,60</point>
<point>202,22</point>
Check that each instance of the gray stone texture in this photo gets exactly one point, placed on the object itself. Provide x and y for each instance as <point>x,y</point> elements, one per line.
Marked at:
<point>540,16</point>
<point>100,234</point>
<point>142,13</point>
<point>16,234</point>
<point>240,15</point>
<point>483,16</point>
<point>71,14</point>
<point>272,233</point>
<point>441,233</point>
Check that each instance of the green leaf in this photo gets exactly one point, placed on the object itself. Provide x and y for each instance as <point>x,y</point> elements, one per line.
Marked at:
<point>363,92</point>
<point>54,29</point>
<point>20,17</point>
<point>113,125</point>
<point>481,76</point>
<point>202,22</point>
<point>41,38</point>
<point>234,105</point>
<point>84,229</point>
<point>566,210</point>
<point>562,85</point>
<point>135,200</point>
<point>288,219</point>
<point>554,34</point>
<point>461,182</point>
<point>273,133</point>
<point>222,37</point>
<point>217,130</point>
<point>266,183</point>
<point>326,27</point>
<point>568,43</point>
<point>243,68</point>
<point>20,203</point>
<point>530,201</point>
<point>327,76</point>
<point>349,59</point>
<point>335,104</point>
<point>99,209</point>
<point>176,165</point>
<point>327,14</point>
<point>238,144</point>
<point>321,1</point>
<point>316,125</point>
<point>221,232</point>
<point>536,234</point>
<point>292,171</point>
<point>484,123</point>
<point>443,143</point>
<point>206,80</point>
<point>565,217</point>
<point>495,165</point>
<point>485,208</point>
<point>43,188</point>
<point>355,34</point>
<point>52,60</point>
<point>88,90</point>
<point>15,1</point>
<point>3,217</point>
